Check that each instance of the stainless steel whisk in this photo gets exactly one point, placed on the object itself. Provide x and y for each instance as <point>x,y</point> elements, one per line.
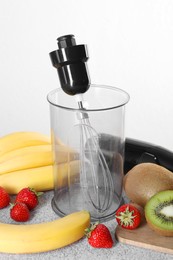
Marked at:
<point>96,178</point>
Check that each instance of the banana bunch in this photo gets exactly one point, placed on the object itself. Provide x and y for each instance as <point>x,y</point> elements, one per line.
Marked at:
<point>45,236</point>
<point>26,160</point>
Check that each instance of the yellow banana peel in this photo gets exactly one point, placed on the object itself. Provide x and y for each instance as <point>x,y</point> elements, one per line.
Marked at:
<point>26,160</point>
<point>18,140</point>
<point>45,236</point>
<point>40,178</point>
<point>63,154</point>
<point>28,157</point>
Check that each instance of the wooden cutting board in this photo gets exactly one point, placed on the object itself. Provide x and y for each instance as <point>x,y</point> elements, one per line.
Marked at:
<point>144,237</point>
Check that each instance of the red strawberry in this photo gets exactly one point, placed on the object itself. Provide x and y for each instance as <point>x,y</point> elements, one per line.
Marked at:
<point>19,212</point>
<point>29,197</point>
<point>4,198</point>
<point>128,216</point>
<point>99,236</point>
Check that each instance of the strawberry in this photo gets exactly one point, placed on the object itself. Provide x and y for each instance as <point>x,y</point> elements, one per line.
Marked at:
<point>99,236</point>
<point>128,216</point>
<point>4,198</point>
<point>28,196</point>
<point>19,212</point>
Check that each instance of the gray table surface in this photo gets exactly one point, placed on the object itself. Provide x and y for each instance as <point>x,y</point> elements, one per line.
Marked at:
<point>80,249</point>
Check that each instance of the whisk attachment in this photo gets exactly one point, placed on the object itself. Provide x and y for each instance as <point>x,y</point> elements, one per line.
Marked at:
<point>96,180</point>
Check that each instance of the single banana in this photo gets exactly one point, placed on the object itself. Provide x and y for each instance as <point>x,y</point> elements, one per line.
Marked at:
<point>18,140</point>
<point>40,178</point>
<point>45,236</point>
<point>31,157</point>
<point>63,153</point>
<point>24,151</point>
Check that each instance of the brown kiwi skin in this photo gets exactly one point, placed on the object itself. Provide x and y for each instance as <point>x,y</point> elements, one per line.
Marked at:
<point>145,180</point>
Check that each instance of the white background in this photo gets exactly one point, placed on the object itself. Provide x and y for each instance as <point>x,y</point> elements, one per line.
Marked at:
<point>130,45</point>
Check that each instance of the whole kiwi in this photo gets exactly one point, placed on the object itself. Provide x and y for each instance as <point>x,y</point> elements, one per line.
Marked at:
<point>159,213</point>
<point>145,180</point>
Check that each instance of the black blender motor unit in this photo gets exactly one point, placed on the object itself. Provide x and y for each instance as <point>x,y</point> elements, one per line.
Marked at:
<point>71,63</point>
<point>70,60</point>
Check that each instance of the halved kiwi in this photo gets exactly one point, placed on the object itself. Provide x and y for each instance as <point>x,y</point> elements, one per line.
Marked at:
<point>159,212</point>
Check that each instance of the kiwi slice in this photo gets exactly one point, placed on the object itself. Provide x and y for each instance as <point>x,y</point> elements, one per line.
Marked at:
<point>159,212</point>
